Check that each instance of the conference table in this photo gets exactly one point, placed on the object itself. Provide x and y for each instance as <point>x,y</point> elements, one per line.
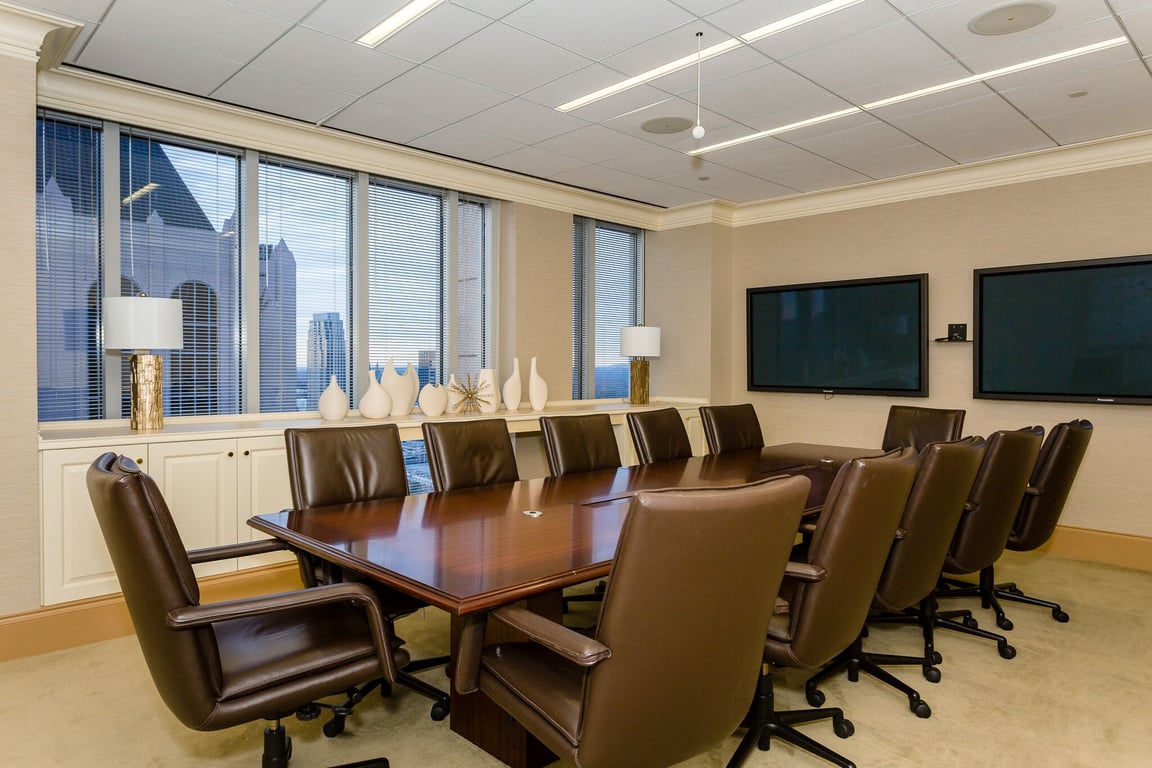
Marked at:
<point>470,550</point>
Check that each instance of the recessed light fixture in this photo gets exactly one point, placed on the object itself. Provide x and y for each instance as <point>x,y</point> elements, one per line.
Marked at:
<point>710,52</point>
<point>1013,17</point>
<point>396,22</point>
<point>666,125</point>
<point>1094,47</point>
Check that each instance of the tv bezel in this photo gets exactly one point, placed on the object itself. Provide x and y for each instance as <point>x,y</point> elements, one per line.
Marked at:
<point>977,325</point>
<point>920,279</point>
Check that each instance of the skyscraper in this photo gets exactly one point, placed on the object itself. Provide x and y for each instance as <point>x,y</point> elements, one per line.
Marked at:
<point>327,354</point>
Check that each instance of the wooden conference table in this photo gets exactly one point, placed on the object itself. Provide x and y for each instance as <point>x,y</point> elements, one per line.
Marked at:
<point>473,549</point>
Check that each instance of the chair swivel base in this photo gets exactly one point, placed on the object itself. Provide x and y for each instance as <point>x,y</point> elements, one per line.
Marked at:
<point>956,621</point>
<point>441,702</point>
<point>764,723</point>
<point>278,747</point>
<point>855,660</point>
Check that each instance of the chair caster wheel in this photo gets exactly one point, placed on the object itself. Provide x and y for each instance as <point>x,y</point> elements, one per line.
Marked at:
<point>815,698</point>
<point>937,658</point>
<point>439,711</point>
<point>1007,651</point>
<point>932,675</point>
<point>334,727</point>
<point>843,727</point>
<point>1004,623</point>
<point>921,709</point>
<point>970,622</point>
<point>1059,615</point>
<point>385,689</point>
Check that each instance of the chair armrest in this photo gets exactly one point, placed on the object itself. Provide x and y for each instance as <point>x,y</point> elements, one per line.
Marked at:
<point>243,549</point>
<point>572,645</point>
<point>804,571</point>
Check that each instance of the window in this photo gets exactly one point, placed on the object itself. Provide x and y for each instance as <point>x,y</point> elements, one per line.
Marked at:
<point>607,264</point>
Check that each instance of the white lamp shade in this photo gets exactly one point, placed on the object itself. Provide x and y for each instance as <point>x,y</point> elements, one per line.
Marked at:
<point>142,322</point>
<point>640,341</point>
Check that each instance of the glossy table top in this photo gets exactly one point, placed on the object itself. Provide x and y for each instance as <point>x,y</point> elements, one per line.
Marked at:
<point>472,549</point>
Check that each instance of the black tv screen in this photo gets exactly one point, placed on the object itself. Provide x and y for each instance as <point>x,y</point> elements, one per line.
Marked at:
<point>1078,331</point>
<point>865,337</point>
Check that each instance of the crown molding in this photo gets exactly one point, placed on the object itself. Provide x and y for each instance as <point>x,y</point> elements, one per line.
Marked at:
<point>713,212</point>
<point>36,36</point>
<point>109,98</point>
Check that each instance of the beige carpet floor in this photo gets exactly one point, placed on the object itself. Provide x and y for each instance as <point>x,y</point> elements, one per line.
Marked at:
<point>1077,694</point>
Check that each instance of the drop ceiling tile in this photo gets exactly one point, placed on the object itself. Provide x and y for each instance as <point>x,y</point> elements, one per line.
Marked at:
<point>626,185</point>
<point>631,122</point>
<point>759,92</point>
<point>906,82</point>
<point>731,64</point>
<point>987,143</point>
<point>82,40</point>
<point>977,109</point>
<point>788,166</point>
<point>1114,119</point>
<point>80,10</point>
<point>899,161</point>
<point>594,144</point>
<point>272,92</point>
<point>588,80</point>
<point>436,31</point>
<point>126,55</point>
<point>1057,41</point>
<point>292,10</point>
<point>436,94</point>
<point>498,56</point>
<point>678,43</point>
<point>523,122</point>
<point>466,143</point>
<point>835,127</point>
<point>381,120</point>
<point>821,32</point>
<point>329,62</point>
<point>208,27</point>
<point>494,9</point>
<point>845,139</point>
<point>1036,94</point>
<point>785,115</point>
<point>1139,26</point>
<point>349,19</point>
<point>742,188</point>
<point>534,161</point>
<point>597,29</point>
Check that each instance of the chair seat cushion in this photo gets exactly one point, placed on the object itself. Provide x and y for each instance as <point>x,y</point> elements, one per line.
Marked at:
<point>543,681</point>
<point>263,651</point>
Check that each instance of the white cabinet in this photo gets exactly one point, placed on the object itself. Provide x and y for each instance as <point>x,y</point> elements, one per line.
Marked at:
<point>212,487</point>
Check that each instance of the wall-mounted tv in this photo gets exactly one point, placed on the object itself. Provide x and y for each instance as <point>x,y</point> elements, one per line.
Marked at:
<point>1075,331</point>
<point>864,337</point>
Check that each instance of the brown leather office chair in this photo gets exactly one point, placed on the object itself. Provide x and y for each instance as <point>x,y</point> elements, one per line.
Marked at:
<point>462,454</point>
<point>943,481</point>
<point>659,435</point>
<point>983,531</point>
<point>343,465</point>
<point>657,683</point>
<point>915,427</point>
<point>828,596</point>
<point>1044,499</point>
<point>579,443</point>
<point>222,664</point>
<point>731,427</point>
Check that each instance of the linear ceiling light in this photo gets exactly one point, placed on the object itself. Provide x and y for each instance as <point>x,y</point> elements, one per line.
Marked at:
<point>144,190</point>
<point>396,22</point>
<point>1103,45</point>
<point>710,52</point>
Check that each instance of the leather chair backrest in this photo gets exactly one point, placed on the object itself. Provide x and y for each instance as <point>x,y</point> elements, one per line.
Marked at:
<point>943,481</point>
<point>996,493</point>
<point>462,454</point>
<point>659,435</point>
<point>911,426</point>
<point>731,427</point>
<point>1050,484</point>
<point>579,443</point>
<point>853,536</point>
<point>341,465</point>
<point>686,652</point>
<point>156,577</point>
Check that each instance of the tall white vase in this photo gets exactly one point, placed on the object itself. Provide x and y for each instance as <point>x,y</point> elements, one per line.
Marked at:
<point>486,388</point>
<point>398,388</point>
<point>376,402</point>
<point>413,387</point>
<point>333,403</point>
<point>453,395</point>
<point>433,399</point>
<point>511,390</point>
<point>537,389</point>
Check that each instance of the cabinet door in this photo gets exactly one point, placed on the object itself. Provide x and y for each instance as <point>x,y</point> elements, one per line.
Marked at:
<point>198,480</point>
<point>75,561</point>
<point>262,487</point>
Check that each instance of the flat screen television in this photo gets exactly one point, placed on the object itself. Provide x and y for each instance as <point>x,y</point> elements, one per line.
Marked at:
<point>863,337</point>
<point>1074,331</point>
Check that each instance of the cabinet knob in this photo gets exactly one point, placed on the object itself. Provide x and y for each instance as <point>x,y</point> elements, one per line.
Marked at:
<point>246,453</point>
<point>139,461</point>
<point>229,454</point>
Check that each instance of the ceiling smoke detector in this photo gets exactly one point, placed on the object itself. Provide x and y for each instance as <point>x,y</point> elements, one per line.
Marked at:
<point>1013,17</point>
<point>666,125</point>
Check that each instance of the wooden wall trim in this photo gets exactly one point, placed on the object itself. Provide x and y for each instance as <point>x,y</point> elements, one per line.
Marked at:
<point>1102,547</point>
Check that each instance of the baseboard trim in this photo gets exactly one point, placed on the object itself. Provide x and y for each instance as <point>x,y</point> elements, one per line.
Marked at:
<point>1101,547</point>
<point>81,622</point>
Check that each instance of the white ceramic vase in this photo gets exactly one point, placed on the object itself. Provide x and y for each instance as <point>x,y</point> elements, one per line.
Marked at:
<point>486,389</point>
<point>433,399</point>
<point>453,395</point>
<point>333,403</point>
<point>413,387</point>
<point>376,402</point>
<point>511,392</point>
<point>398,388</point>
<point>537,389</point>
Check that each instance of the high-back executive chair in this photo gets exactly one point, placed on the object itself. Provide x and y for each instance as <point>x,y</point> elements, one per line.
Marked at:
<point>911,426</point>
<point>343,465</point>
<point>659,435</point>
<point>828,596</point>
<point>943,481</point>
<point>579,443</point>
<point>983,531</point>
<point>463,454</point>
<point>219,665</point>
<point>730,428</point>
<point>672,665</point>
<point>1043,503</point>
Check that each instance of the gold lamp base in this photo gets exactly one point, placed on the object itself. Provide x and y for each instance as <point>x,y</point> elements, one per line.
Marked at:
<point>638,381</point>
<point>147,383</point>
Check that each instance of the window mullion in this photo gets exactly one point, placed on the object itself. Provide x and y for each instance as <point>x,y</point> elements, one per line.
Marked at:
<point>113,394</point>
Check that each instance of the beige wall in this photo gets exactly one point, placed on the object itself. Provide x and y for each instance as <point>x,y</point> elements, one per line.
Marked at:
<point>19,486</point>
<point>1092,215</point>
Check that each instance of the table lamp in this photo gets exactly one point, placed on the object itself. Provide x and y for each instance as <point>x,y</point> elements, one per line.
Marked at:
<point>142,324</point>
<point>639,342</point>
